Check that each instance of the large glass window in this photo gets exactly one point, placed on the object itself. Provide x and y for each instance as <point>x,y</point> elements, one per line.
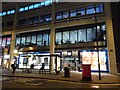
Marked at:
<point>47,2</point>
<point>99,8</point>
<point>65,14</point>
<point>21,9</point>
<point>73,36</point>
<point>39,40</point>
<point>8,40</point>
<point>91,34</point>
<point>90,10</point>
<point>59,16</point>
<point>28,39</point>
<point>103,32</point>
<point>66,37</point>
<point>23,40</point>
<point>4,13</point>
<point>81,11</point>
<point>45,39</point>
<point>17,41</point>
<point>31,7</point>
<point>33,41</point>
<point>73,13</point>
<point>36,5</point>
<point>82,35</point>
<point>58,38</point>
<point>26,8</point>
<point>3,42</point>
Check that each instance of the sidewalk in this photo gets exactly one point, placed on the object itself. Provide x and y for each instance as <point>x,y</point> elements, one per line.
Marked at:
<point>74,76</point>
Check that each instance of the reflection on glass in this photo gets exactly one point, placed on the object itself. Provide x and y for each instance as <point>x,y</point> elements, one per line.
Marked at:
<point>91,34</point>
<point>45,39</point>
<point>73,36</point>
<point>58,37</point>
<point>82,35</point>
<point>17,41</point>
<point>33,40</point>
<point>66,37</point>
<point>23,40</point>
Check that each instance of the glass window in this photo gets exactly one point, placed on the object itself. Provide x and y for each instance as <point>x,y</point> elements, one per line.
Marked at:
<point>31,7</point>
<point>41,19</point>
<point>12,11</point>
<point>8,40</point>
<point>35,19</point>
<point>33,40</point>
<point>66,37</point>
<point>45,39</point>
<point>103,32</point>
<point>73,36</point>
<point>58,38</point>
<point>82,35</point>
<point>91,34</point>
<point>23,40</point>
<point>4,13</point>
<point>26,8</point>
<point>0,41</point>
<point>8,12</point>
<point>42,3</point>
<point>47,2</point>
<point>81,11</point>
<point>36,5</point>
<point>28,39</point>
<point>17,41</point>
<point>21,9</point>
<point>0,14</point>
<point>39,37</point>
<point>65,14</point>
<point>59,16</point>
<point>90,10</point>
<point>73,13</point>
<point>3,42</point>
<point>47,18</point>
<point>99,8</point>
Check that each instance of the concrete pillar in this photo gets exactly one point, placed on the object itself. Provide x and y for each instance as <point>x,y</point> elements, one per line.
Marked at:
<point>110,40</point>
<point>52,38</point>
<point>12,45</point>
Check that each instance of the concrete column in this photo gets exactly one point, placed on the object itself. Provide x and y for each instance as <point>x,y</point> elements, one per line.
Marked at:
<point>110,40</point>
<point>12,45</point>
<point>52,38</point>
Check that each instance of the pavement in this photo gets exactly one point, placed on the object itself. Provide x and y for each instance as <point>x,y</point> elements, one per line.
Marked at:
<point>75,76</point>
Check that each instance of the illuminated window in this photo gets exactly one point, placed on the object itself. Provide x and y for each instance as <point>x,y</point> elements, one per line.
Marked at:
<point>31,7</point>
<point>21,9</point>
<point>0,14</point>
<point>73,13</point>
<point>8,40</point>
<point>58,38</point>
<point>26,8</point>
<point>82,35</point>
<point>33,40</point>
<point>66,37</point>
<point>36,5</point>
<point>59,16</point>
<point>42,3</point>
<point>3,42</point>
<point>65,14</point>
<point>99,8</point>
<point>48,2</point>
<point>73,36</point>
<point>90,10</point>
<point>81,11</point>
<point>8,12</point>
<point>91,34</point>
<point>17,41</point>
<point>4,13</point>
<point>12,11</point>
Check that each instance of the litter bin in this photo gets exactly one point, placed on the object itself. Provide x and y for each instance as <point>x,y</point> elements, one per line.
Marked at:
<point>66,72</point>
<point>86,72</point>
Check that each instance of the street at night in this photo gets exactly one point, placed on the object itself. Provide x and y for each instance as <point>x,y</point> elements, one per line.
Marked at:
<point>20,83</point>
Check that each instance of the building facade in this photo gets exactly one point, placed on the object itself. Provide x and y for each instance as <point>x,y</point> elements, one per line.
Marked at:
<point>81,33</point>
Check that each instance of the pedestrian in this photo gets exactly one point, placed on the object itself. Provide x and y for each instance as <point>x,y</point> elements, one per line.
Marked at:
<point>14,66</point>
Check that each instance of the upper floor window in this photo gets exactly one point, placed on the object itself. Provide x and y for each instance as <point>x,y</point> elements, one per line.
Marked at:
<point>36,5</point>
<point>0,14</point>
<point>90,9</point>
<point>65,14</point>
<point>31,7</point>
<point>42,3</point>
<point>21,9</point>
<point>99,8</point>
<point>59,16</point>
<point>26,8</point>
<point>4,13</point>
<point>12,11</point>
<point>73,13</point>
<point>81,11</point>
<point>48,2</point>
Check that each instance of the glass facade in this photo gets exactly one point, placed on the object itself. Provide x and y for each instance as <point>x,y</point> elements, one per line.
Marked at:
<point>39,38</point>
<point>81,35</point>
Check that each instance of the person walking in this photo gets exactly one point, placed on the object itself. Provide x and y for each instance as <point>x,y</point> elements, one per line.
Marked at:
<point>14,66</point>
